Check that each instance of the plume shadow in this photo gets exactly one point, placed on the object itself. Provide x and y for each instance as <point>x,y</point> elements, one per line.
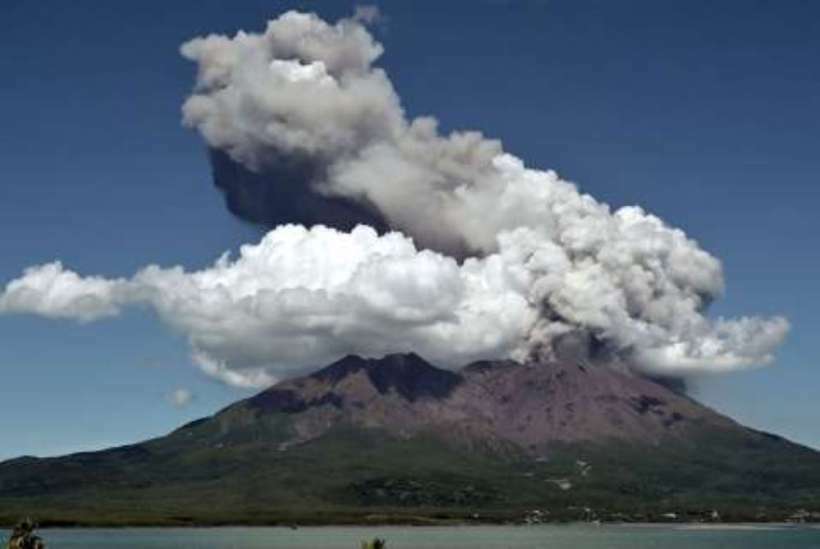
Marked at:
<point>283,192</point>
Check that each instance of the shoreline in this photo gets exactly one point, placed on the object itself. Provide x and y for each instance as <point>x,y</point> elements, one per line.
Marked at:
<point>691,526</point>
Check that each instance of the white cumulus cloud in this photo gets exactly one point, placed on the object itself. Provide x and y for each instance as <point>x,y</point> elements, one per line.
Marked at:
<point>302,297</point>
<point>180,398</point>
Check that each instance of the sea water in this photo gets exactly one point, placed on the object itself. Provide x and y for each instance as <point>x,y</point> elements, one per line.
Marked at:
<point>472,537</point>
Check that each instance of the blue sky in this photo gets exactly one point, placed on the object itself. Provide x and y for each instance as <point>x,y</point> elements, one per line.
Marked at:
<point>704,113</point>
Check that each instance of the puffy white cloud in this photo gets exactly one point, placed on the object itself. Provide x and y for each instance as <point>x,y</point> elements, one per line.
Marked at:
<point>302,297</point>
<point>180,398</point>
<point>52,292</point>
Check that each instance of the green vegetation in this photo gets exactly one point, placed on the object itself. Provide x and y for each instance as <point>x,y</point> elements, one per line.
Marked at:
<point>23,537</point>
<point>304,453</point>
<point>351,475</point>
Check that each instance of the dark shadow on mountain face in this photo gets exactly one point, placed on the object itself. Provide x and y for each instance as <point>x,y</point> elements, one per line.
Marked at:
<point>407,374</point>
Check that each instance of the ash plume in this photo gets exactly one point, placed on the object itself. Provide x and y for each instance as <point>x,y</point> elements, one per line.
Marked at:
<point>479,256</point>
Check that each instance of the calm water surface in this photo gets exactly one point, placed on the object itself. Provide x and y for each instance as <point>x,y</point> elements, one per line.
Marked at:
<point>474,537</point>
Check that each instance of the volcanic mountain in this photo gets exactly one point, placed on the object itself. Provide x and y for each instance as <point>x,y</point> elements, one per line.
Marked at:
<point>400,439</point>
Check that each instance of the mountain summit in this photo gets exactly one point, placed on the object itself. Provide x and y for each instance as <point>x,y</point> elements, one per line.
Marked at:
<point>530,407</point>
<point>398,437</point>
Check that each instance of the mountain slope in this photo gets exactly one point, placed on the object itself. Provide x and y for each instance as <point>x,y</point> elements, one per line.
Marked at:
<point>398,437</point>
<point>532,406</point>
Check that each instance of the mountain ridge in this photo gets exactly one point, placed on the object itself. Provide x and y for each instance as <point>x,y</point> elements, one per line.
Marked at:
<point>398,437</point>
<point>501,395</point>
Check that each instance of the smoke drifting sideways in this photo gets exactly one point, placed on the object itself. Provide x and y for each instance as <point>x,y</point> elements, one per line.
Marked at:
<point>479,256</point>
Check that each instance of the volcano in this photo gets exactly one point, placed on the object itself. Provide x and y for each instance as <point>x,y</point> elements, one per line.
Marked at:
<point>399,439</point>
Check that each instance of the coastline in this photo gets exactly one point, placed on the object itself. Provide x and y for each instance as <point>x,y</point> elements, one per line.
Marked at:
<point>426,522</point>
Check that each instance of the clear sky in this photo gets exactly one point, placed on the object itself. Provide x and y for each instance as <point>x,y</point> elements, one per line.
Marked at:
<point>705,113</point>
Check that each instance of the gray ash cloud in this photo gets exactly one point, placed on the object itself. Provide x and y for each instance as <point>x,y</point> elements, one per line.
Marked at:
<point>447,244</point>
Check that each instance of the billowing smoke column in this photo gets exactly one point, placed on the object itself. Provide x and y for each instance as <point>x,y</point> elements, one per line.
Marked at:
<point>489,258</point>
